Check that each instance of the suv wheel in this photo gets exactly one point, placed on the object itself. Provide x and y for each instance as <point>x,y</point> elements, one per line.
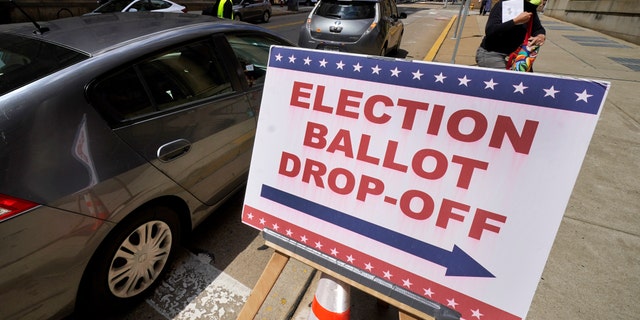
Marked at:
<point>266,16</point>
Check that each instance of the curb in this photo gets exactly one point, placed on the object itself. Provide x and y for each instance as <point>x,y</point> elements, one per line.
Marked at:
<point>431,55</point>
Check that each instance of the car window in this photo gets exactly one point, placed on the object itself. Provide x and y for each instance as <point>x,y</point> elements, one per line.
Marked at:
<point>386,8</point>
<point>166,80</point>
<point>24,60</point>
<point>346,10</point>
<point>113,6</point>
<point>252,52</point>
<point>148,5</point>
<point>394,8</point>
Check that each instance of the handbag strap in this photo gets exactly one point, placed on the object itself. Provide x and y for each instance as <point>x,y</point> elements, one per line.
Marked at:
<point>528,35</point>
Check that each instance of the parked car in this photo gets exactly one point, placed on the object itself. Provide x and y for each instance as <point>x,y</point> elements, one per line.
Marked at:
<point>251,10</point>
<point>308,2</point>
<point>114,146</point>
<point>362,26</point>
<point>139,5</point>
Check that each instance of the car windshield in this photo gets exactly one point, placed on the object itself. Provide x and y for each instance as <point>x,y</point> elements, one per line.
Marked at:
<point>24,60</point>
<point>113,6</point>
<point>347,10</point>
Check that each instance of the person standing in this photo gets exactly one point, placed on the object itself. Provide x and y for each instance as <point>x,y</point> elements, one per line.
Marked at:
<point>486,7</point>
<point>225,9</point>
<point>502,38</point>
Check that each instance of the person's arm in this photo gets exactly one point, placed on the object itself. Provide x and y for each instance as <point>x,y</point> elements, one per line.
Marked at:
<point>538,33</point>
<point>494,22</point>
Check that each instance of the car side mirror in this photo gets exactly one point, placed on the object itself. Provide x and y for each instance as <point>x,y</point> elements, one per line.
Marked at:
<point>132,10</point>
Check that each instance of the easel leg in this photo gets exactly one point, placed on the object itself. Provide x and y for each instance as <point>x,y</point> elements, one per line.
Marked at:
<point>405,316</point>
<point>261,290</point>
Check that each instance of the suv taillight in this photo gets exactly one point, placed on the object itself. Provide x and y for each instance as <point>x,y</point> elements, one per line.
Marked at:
<point>10,206</point>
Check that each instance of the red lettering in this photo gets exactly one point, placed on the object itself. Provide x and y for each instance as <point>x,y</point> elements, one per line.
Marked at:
<point>297,93</point>
<point>467,169</point>
<point>436,119</point>
<point>389,157</point>
<point>289,170</point>
<point>317,101</point>
<point>446,212</point>
<point>342,142</point>
<point>439,169</point>
<point>369,185</point>
<point>478,130</point>
<point>427,205</point>
<point>371,103</point>
<point>412,109</point>
<point>314,169</point>
<point>349,178</point>
<point>314,135</point>
<point>365,140</point>
<point>480,223</point>
<point>505,127</point>
<point>344,102</point>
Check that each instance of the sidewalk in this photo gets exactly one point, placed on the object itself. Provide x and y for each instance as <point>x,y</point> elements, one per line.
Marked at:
<point>593,271</point>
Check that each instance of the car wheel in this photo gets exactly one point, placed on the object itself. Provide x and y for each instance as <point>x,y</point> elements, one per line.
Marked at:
<point>266,16</point>
<point>130,262</point>
<point>237,17</point>
<point>395,49</point>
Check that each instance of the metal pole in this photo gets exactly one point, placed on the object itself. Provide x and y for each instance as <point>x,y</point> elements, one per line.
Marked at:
<point>455,34</point>
<point>464,12</point>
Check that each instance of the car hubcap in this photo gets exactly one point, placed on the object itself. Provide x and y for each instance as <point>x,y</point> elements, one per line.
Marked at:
<point>140,259</point>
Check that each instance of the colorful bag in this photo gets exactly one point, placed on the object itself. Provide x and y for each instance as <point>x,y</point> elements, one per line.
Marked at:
<point>522,58</point>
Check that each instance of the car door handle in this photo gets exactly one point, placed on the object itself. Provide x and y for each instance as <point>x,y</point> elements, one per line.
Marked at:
<point>173,150</point>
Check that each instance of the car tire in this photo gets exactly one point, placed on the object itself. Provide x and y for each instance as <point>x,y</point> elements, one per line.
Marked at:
<point>129,263</point>
<point>266,16</point>
<point>237,17</point>
<point>383,52</point>
<point>396,48</point>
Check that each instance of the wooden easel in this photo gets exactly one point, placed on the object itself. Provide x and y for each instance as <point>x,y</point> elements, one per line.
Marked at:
<point>277,263</point>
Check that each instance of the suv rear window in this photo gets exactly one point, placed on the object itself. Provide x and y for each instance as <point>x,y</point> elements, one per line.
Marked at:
<point>24,60</point>
<point>346,10</point>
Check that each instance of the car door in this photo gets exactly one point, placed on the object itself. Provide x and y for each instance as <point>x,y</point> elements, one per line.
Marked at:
<point>185,112</point>
<point>396,26</point>
<point>255,9</point>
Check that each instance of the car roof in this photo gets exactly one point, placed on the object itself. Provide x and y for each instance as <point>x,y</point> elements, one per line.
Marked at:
<point>93,34</point>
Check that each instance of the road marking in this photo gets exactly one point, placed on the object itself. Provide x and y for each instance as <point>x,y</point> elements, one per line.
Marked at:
<point>285,25</point>
<point>196,290</point>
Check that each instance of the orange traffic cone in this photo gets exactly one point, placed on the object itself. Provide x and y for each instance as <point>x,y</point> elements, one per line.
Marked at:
<point>331,301</point>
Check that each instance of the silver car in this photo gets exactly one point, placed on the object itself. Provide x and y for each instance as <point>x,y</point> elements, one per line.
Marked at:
<point>371,27</point>
<point>139,5</point>
<point>252,10</point>
<point>114,146</point>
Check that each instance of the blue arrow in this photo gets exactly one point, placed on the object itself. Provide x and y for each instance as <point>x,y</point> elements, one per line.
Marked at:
<point>457,262</point>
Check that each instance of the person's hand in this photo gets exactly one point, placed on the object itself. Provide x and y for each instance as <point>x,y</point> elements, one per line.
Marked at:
<point>522,18</point>
<point>537,40</point>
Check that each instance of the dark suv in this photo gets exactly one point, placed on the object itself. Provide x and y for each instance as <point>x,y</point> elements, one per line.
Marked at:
<point>364,26</point>
<point>119,133</point>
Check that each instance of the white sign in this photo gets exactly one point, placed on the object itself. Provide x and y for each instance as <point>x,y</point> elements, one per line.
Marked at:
<point>511,9</point>
<point>447,181</point>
